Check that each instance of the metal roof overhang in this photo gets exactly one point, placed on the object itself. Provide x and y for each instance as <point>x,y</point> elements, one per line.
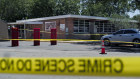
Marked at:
<point>66,16</point>
<point>22,23</point>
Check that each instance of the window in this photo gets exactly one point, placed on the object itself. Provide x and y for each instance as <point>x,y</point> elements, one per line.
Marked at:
<point>104,27</point>
<point>81,26</point>
<point>120,32</point>
<point>130,31</point>
<point>49,25</point>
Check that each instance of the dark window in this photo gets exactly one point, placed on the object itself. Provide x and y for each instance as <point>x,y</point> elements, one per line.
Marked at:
<point>119,32</point>
<point>81,26</point>
<point>130,31</point>
<point>104,27</point>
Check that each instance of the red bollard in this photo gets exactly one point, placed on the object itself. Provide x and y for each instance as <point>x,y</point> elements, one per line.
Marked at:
<point>53,36</point>
<point>36,36</point>
<point>15,34</point>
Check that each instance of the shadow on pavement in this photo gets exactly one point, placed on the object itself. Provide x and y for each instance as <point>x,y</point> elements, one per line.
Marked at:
<point>125,49</point>
<point>88,43</point>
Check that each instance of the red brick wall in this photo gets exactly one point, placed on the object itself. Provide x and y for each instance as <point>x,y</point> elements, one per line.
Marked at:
<point>61,34</point>
<point>69,25</point>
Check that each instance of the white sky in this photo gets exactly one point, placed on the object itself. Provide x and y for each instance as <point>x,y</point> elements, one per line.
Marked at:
<point>131,14</point>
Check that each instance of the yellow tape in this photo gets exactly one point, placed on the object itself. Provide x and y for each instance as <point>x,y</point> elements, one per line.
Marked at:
<point>103,66</point>
<point>125,42</point>
<point>90,34</point>
<point>23,29</point>
<point>77,40</point>
<point>51,40</point>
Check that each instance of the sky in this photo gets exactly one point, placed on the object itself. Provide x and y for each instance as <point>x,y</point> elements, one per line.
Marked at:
<point>131,14</point>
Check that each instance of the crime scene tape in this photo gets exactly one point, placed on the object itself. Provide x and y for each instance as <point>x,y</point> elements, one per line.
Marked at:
<point>125,42</point>
<point>92,66</point>
<point>63,33</point>
<point>77,40</point>
<point>33,30</point>
<point>90,34</point>
<point>50,40</point>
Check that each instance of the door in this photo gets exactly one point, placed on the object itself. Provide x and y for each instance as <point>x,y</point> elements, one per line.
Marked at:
<point>117,36</point>
<point>128,35</point>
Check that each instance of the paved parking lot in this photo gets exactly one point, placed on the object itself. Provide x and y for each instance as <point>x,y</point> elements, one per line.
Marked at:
<point>26,49</point>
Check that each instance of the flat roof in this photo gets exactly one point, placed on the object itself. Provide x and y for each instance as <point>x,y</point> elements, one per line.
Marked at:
<point>65,16</point>
<point>18,23</point>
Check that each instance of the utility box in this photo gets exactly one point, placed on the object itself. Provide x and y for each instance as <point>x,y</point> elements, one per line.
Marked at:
<point>53,36</point>
<point>36,36</point>
<point>15,34</point>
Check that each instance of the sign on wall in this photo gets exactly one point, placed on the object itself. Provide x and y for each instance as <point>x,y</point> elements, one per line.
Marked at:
<point>50,25</point>
<point>62,27</point>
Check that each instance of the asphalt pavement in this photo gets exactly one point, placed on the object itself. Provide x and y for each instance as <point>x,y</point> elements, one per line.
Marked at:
<point>26,49</point>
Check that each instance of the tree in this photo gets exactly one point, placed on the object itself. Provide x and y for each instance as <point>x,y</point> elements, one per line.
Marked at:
<point>43,8</point>
<point>92,8</point>
<point>106,7</point>
<point>8,10</point>
<point>137,17</point>
<point>12,10</point>
<point>122,22</point>
<point>136,4</point>
<point>26,8</point>
<point>67,7</point>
